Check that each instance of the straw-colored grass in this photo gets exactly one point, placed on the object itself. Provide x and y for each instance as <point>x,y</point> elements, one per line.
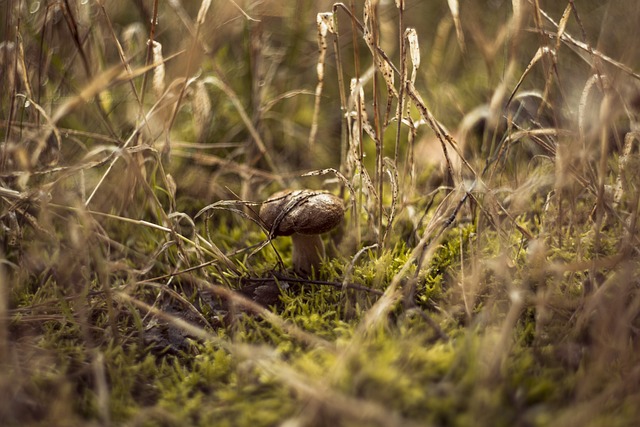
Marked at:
<point>486,272</point>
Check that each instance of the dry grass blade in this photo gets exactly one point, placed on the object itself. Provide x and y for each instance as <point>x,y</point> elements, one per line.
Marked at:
<point>540,53</point>
<point>454,7</point>
<point>443,136</point>
<point>159,75</point>
<point>241,10</point>
<point>121,54</point>
<point>325,25</point>
<point>289,327</point>
<point>411,36</point>
<point>4,318</point>
<point>587,49</point>
<point>599,82</point>
<point>158,72</point>
<point>97,85</point>
<point>622,184</point>
<point>181,299</point>
<point>317,392</point>
<point>231,206</point>
<point>414,52</point>
<point>51,128</point>
<point>392,172</point>
<point>240,169</point>
<point>189,328</point>
<point>248,123</point>
<point>202,111</point>
<point>349,272</point>
<point>140,288</point>
<point>101,83</point>
<point>383,65</point>
<point>22,68</point>
<point>343,179</point>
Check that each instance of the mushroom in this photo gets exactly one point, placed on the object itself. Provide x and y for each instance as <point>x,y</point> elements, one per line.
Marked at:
<point>303,215</point>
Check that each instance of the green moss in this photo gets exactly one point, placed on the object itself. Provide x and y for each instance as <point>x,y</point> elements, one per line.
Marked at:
<point>216,388</point>
<point>447,256</point>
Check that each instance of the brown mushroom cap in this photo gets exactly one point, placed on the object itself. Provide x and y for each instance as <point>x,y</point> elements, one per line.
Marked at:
<point>301,211</point>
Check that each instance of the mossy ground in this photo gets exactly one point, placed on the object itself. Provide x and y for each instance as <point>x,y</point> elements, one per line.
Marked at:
<point>496,285</point>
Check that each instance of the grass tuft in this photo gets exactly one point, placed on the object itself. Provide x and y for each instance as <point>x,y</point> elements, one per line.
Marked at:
<point>486,271</point>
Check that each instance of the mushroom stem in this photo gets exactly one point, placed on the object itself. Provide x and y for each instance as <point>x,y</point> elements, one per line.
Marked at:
<point>308,251</point>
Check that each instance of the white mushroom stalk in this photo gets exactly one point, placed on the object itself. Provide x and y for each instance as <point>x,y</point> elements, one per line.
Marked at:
<point>303,215</point>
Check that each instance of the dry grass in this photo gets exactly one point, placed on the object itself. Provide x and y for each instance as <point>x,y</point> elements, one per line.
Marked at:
<point>487,270</point>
